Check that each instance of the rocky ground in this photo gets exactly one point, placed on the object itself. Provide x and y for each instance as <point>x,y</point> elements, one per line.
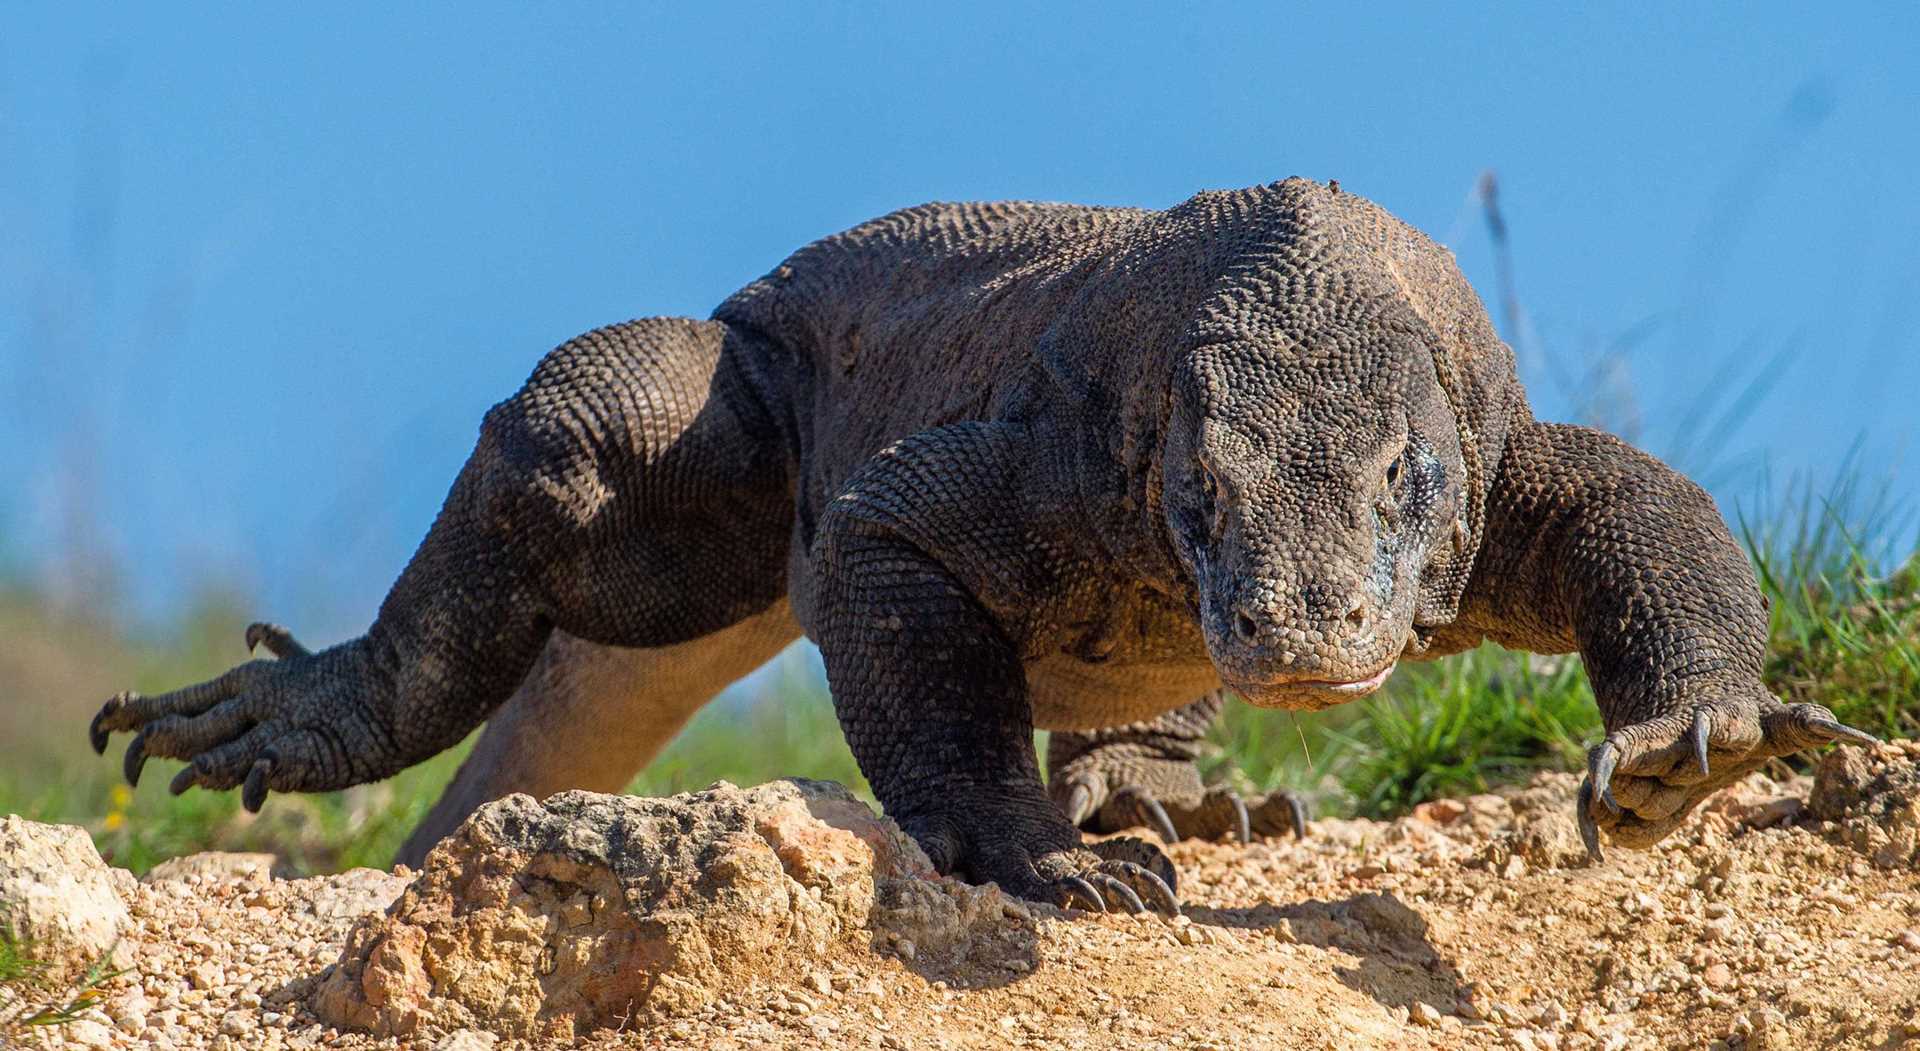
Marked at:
<point>1786,915</point>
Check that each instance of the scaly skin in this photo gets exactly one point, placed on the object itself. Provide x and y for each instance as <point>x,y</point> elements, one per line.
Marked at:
<point>1019,465</point>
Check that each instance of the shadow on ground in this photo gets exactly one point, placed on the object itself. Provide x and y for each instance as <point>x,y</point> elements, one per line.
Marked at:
<point>1397,962</point>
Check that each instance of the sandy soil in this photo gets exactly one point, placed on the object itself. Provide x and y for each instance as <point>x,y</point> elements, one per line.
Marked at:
<point>1470,923</point>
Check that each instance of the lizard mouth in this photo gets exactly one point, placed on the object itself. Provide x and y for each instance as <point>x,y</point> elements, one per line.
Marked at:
<point>1310,694</point>
<point>1355,687</point>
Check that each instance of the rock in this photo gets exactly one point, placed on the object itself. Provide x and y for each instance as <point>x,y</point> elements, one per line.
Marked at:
<point>59,896</point>
<point>245,869</point>
<point>936,922</point>
<point>207,975</point>
<point>1874,793</point>
<point>543,920</point>
<point>86,1032</point>
<point>1423,1013</point>
<point>1766,1030</point>
<point>1440,811</point>
<point>350,894</point>
<point>1755,801</point>
<point>129,1010</point>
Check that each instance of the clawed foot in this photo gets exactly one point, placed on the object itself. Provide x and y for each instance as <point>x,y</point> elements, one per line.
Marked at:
<point>1031,853</point>
<point>1644,779</point>
<point>1117,875</point>
<point>264,725</point>
<point>1210,813</point>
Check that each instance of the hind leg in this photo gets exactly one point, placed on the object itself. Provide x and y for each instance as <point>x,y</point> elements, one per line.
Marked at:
<point>635,492</point>
<point>591,716</point>
<point>1144,775</point>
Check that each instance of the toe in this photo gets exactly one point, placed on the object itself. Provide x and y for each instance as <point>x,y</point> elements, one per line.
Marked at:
<point>1142,887</point>
<point>132,711</point>
<point>183,737</point>
<point>278,640</point>
<point>1083,798</point>
<point>1278,813</point>
<point>1139,853</point>
<point>1132,807</point>
<point>1118,895</point>
<point>1074,892</point>
<point>227,765</point>
<point>1791,728</point>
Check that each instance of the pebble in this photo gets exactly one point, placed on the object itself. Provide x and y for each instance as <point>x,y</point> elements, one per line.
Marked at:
<point>467,1040</point>
<point>1424,1013</point>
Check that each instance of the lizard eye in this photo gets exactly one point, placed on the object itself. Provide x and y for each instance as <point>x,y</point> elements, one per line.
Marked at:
<point>1393,472</point>
<point>1209,498</point>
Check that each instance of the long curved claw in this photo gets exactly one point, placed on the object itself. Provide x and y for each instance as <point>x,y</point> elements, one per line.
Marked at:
<point>1121,893</point>
<point>1600,773</point>
<point>1297,812</point>
<point>1589,830</point>
<point>1702,726</point>
<point>1157,817</point>
<point>185,779</point>
<point>254,794</point>
<point>1162,823</point>
<point>97,734</point>
<point>1835,730</point>
<point>135,760</point>
<point>1081,889</point>
<point>1243,823</point>
<point>1079,805</point>
<point>1163,897</point>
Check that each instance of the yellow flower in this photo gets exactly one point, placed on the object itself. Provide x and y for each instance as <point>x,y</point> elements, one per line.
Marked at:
<point>121,795</point>
<point>115,820</point>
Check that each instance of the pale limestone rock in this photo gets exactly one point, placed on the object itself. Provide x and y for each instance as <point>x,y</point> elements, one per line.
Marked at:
<point>57,893</point>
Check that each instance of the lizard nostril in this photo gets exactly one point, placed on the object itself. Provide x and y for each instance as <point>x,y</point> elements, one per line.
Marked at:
<point>1357,616</point>
<point>1245,628</point>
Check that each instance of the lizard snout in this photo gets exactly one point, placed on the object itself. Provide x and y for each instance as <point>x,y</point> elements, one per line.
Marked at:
<point>1319,634</point>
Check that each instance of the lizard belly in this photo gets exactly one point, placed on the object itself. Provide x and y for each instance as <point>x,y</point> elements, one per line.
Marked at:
<point>1068,693</point>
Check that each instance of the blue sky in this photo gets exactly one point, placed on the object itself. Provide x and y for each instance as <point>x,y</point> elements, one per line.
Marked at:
<point>262,271</point>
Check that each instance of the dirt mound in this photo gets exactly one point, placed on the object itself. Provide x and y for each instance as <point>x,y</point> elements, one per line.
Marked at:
<point>593,912</point>
<point>1786,915</point>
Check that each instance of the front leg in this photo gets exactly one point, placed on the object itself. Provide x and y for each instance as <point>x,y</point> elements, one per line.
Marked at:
<point>1595,546</point>
<point>925,568</point>
<point>633,493</point>
<point>1145,774</point>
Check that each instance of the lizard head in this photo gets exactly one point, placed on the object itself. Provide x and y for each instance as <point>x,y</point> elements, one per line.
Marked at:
<point>1309,444</point>
<point>1310,477</point>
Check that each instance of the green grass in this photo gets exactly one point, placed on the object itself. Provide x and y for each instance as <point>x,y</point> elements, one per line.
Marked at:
<point>1846,608</point>
<point>1845,626</point>
<point>29,995</point>
<point>1453,727</point>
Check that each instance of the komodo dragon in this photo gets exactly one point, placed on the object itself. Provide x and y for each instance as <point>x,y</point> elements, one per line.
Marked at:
<point>1017,466</point>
